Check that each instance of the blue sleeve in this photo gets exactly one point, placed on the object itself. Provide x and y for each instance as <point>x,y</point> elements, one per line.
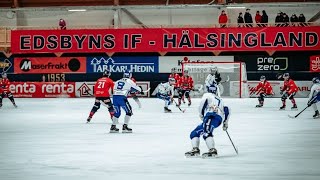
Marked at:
<point>226,112</point>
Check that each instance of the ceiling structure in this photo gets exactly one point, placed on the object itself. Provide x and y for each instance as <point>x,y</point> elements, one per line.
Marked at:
<point>52,3</point>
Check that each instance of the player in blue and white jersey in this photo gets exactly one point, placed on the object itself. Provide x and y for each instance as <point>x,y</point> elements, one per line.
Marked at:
<point>213,113</point>
<point>121,90</point>
<point>166,93</point>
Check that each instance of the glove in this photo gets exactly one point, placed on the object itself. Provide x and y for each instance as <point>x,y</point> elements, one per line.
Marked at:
<point>142,93</point>
<point>225,126</point>
<point>281,92</point>
<point>309,104</point>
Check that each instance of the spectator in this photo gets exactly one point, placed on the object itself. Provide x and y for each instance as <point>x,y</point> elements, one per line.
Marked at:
<point>302,20</point>
<point>248,18</point>
<point>278,20</point>
<point>285,19</point>
<point>223,19</point>
<point>62,24</point>
<point>258,19</point>
<point>294,19</point>
<point>264,18</point>
<point>240,20</point>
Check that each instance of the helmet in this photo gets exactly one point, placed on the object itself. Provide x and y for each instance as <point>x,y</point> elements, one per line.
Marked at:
<point>172,81</point>
<point>4,75</point>
<point>315,80</point>
<point>173,70</point>
<point>213,70</point>
<point>213,89</point>
<point>286,75</point>
<point>186,72</point>
<point>106,73</point>
<point>262,78</point>
<point>127,74</point>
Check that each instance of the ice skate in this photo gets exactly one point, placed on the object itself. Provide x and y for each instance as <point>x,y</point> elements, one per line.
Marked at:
<point>167,110</point>
<point>212,153</point>
<point>114,129</point>
<point>125,129</point>
<point>195,152</point>
<point>14,104</point>
<point>283,107</point>
<point>189,104</point>
<point>259,105</point>
<point>294,107</point>
<point>89,119</point>
<point>316,114</point>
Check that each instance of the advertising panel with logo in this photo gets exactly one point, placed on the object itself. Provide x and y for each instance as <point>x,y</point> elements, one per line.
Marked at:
<point>315,63</point>
<point>261,64</point>
<point>86,89</point>
<point>50,65</point>
<point>43,89</point>
<point>143,64</point>
<point>166,63</point>
<point>6,65</point>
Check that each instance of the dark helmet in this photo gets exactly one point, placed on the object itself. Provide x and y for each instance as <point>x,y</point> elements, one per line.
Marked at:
<point>106,73</point>
<point>127,74</point>
<point>286,75</point>
<point>173,70</point>
<point>172,80</point>
<point>262,78</point>
<point>4,75</point>
<point>315,80</point>
<point>186,72</point>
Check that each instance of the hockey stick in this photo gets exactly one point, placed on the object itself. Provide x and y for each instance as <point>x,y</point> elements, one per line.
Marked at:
<point>178,106</point>
<point>227,80</point>
<point>232,143</point>
<point>298,113</point>
<point>146,90</point>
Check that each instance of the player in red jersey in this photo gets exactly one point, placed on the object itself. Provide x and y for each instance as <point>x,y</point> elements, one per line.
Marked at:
<point>101,93</point>
<point>264,89</point>
<point>4,90</point>
<point>288,90</point>
<point>176,77</point>
<point>185,86</point>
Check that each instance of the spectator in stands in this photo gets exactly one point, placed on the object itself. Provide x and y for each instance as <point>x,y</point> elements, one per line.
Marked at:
<point>278,20</point>
<point>302,20</point>
<point>294,19</point>
<point>258,18</point>
<point>240,20</point>
<point>264,18</point>
<point>248,18</point>
<point>62,24</point>
<point>223,19</point>
<point>285,19</point>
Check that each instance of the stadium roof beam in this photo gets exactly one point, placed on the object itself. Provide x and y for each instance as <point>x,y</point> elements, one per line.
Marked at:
<point>315,17</point>
<point>134,18</point>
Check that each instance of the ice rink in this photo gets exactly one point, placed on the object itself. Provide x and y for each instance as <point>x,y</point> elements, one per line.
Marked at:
<point>48,139</point>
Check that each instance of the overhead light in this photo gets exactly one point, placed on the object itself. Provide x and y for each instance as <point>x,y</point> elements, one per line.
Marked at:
<point>77,10</point>
<point>236,7</point>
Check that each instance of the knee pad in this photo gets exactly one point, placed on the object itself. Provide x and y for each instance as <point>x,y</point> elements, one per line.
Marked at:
<point>96,106</point>
<point>206,135</point>
<point>180,94</point>
<point>291,96</point>
<point>187,94</point>
<point>9,95</point>
<point>261,98</point>
<point>194,134</point>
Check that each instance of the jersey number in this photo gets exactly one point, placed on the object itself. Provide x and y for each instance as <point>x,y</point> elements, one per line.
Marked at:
<point>101,85</point>
<point>120,85</point>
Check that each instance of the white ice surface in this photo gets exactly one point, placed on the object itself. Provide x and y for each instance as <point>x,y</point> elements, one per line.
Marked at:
<point>48,139</point>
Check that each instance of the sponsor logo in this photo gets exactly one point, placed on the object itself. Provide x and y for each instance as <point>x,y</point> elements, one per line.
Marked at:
<point>27,65</point>
<point>5,65</point>
<point>101,64</point>
<point>315,63</point>
<point>272,64</point>
<point>84,90</point>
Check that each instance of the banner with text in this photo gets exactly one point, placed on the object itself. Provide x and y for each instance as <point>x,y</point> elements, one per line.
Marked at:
<point>166,63</point>
<point>43,89</point>
<point>136,64</point>
<point>86,89</point>
<point>166,40</point>
<point>6,65</point>
<point>46,65</point>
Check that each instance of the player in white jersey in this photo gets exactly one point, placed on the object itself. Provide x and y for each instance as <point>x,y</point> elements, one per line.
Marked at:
<point>121,90</point>
<point>213,113</point>
<point>213,79</point>
<point>166,93</point>
<point>314,96</point>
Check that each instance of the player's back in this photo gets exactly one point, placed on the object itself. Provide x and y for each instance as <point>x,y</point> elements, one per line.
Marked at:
<point>123,86</point>
<point>165,88</point>
<point>211,103</point>
<point>102,87</point>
